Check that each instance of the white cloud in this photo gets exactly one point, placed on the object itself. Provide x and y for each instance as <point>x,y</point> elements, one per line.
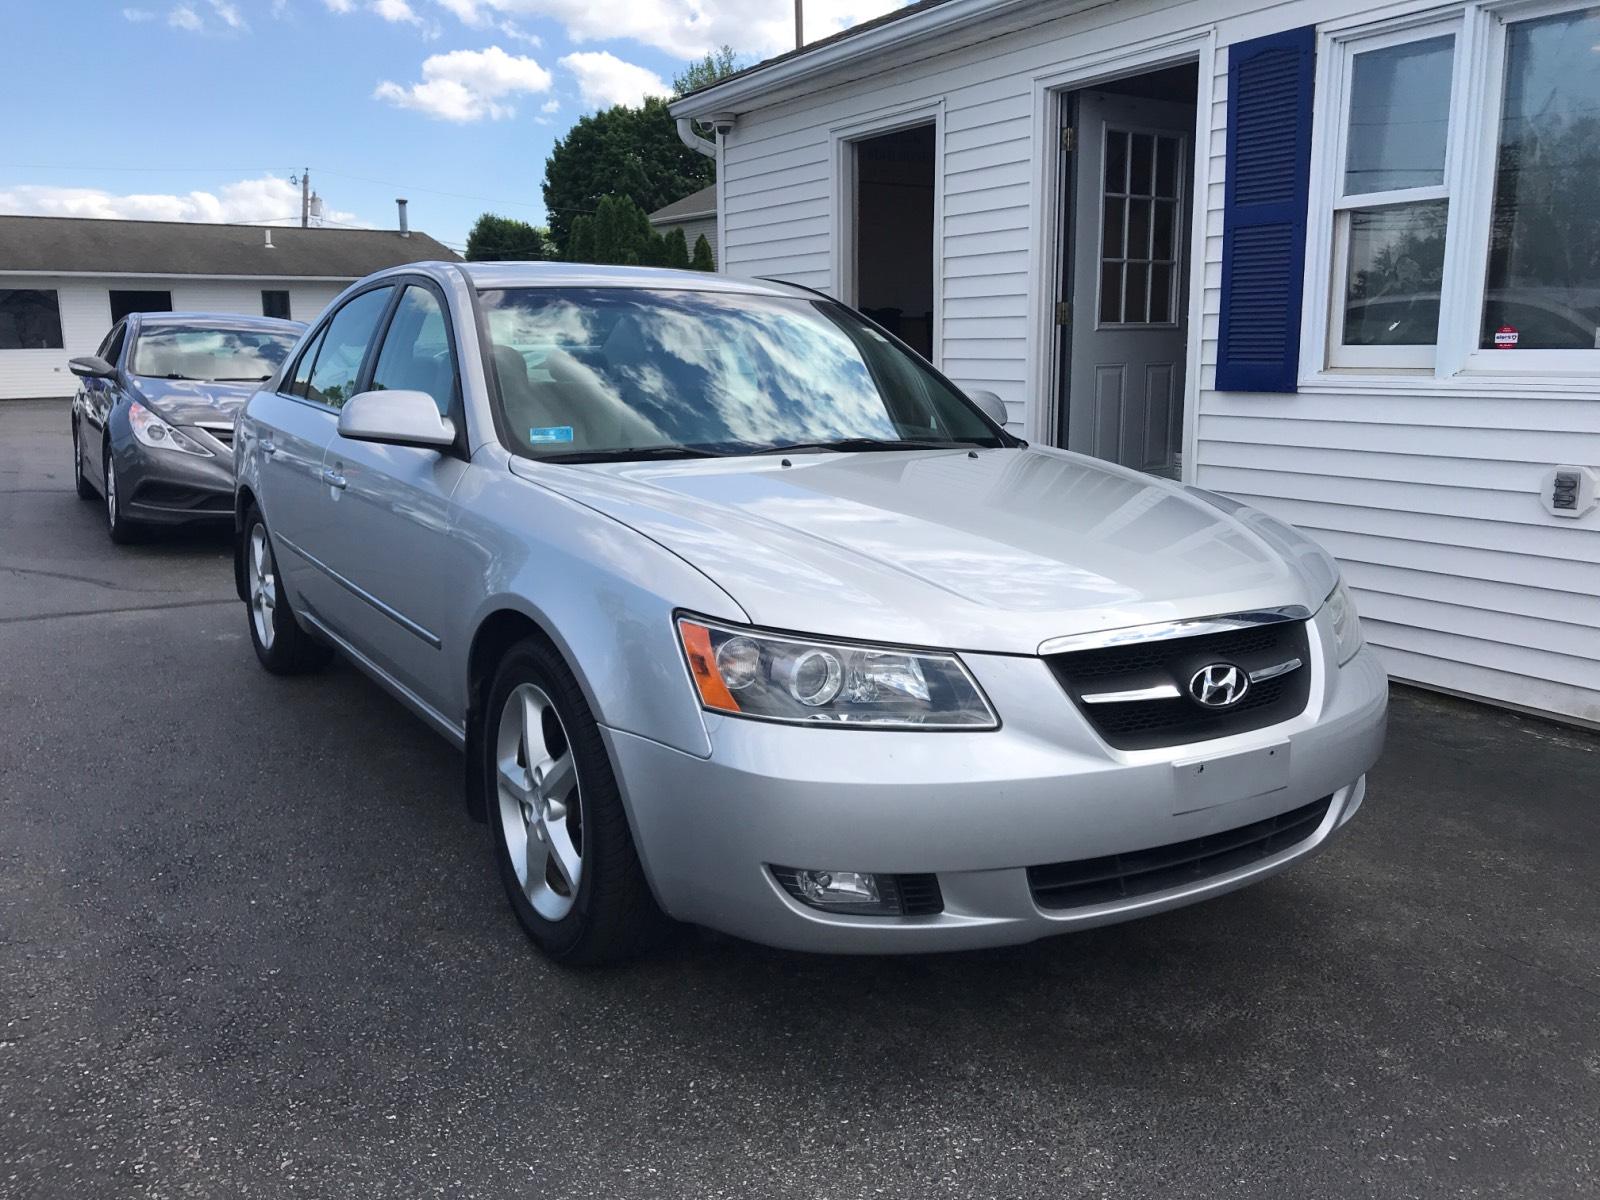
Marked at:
<point>550,106</point>
<point>228,14</point>
<point>137,15</point>
<point>687,28</point>
<point>184,17</point>
<point>249,201</point>
<point>468,85</point>
<point>340,6</point>
<point>396,10</point>
<point>604,79</point>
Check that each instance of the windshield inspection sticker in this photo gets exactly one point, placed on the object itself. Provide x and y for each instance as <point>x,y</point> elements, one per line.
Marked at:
<point>550,433</point>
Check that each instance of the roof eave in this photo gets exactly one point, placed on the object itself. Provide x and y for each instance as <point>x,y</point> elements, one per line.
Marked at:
<point>744,90</point>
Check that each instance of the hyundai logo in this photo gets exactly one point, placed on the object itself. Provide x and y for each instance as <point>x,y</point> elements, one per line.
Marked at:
<point>1221,685</point>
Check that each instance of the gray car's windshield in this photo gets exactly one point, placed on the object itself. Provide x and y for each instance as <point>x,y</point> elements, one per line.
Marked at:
<point>213,355</point>
<point>612,373</point>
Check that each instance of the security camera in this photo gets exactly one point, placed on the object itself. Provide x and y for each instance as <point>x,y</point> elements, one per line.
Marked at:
<point>722,123</point>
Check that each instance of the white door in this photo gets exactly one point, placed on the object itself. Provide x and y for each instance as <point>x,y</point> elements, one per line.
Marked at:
<point>1128,321</point>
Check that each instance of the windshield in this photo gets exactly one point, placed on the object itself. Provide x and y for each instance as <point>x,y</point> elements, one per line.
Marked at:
<point>214,355</point>
<point>613,373</point>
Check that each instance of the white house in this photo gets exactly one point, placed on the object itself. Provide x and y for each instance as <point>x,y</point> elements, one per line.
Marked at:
<point>695,214</point>
<point>1337,258</point>
<point>65,281</point>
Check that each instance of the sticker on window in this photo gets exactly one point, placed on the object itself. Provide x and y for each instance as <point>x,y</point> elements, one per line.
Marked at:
<point>550,433</point>
<point>1505,338</point>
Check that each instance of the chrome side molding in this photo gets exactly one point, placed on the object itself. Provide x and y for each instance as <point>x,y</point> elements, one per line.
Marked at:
<point>1101,639</point>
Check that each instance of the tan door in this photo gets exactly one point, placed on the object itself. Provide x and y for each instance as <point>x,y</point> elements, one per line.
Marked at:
<point>1128,321</point>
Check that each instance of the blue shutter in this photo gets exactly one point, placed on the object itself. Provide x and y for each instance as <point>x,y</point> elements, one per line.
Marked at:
<point>1264,220</point>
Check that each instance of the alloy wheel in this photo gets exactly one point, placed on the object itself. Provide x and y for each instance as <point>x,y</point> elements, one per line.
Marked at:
<point>541,807</point>
<point>263,586</point>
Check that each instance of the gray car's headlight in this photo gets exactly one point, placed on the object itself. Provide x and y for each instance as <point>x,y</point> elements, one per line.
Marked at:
<point>152,431</point>
<point>745,673</point>
<point>1346,624</point>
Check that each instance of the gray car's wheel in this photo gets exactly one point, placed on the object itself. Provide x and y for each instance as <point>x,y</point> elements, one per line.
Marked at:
<point>122,530</point>
<point>560,834</point>
<point>282,644</point>
<point>85,488</point>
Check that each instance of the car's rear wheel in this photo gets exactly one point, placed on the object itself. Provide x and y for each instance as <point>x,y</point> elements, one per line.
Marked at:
<point>122,530</point>
<point>282,644</point>
<point>560,835</point>
<point>85,488</point>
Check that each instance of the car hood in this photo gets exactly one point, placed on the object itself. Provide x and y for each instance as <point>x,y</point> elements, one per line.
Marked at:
<point>192,401</point>
<point>998,550</point>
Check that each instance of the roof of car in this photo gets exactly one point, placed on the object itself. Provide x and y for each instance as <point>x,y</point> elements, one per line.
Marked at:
<point>552,274</point>
<point>219,320</point>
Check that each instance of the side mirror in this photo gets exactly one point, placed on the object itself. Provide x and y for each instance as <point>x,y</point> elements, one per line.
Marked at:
<point>993,407</point>
<point>91,366</point>
<point>395,418</point>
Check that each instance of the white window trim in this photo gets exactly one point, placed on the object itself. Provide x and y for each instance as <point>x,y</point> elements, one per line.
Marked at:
<point>842,236</point>
<point>1471,152</point>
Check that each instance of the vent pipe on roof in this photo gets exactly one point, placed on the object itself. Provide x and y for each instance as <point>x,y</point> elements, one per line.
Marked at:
<point>269,245</point>
<point>405,226</point>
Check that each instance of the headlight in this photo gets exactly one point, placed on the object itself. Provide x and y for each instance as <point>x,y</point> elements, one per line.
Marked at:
<point>748,674</point>
<point>1346,624</point>
<point>152,431</point>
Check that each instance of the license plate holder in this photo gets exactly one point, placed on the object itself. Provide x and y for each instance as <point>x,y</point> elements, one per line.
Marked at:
<point>1199,783</point>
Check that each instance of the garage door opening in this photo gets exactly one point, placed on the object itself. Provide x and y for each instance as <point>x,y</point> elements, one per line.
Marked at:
<point>893,251</point>
<point>125,302</point>
<point>1128,196</point>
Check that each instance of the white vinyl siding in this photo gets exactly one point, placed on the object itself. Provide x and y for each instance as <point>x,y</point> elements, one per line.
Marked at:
<point>1425,490</point>
<point>86,317</point>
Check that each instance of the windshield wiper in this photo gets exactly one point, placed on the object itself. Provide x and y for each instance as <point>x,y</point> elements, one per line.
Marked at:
<point>241,378</point>
<point>632,453</point>
<point>185,378</point>
<point>849,445</point>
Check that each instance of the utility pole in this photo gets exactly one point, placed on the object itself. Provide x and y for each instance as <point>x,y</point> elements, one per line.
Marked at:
<point>305,198</point>
<point>799,24</point>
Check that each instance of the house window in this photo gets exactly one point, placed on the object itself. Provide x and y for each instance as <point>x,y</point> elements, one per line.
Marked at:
<point>123,303</point>
<point>30,319</point>
<point>1462,166</point>
<point>1543,277</point>
<point>275,304</point>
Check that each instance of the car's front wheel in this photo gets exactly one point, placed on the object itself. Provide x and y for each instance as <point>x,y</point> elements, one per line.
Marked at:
<point>282,645</point>
<point>123,531</point>
<point>560,835</point>
<point>85,488</point>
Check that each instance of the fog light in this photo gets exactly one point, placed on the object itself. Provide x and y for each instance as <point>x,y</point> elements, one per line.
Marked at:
<point>859,893</point>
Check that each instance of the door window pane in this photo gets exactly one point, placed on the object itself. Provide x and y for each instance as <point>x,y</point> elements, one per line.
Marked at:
<point>1543,286</point>
<point>300,385</point>
<point>333,379</point>
<point>1399,117</point>
<point>1141,164</point>
<point>30,319</point>
<point>1139,215</point>
<point>1111,292</point>
<point>1116,161</point>
<point>1395,266</point>
<point>416,354</point>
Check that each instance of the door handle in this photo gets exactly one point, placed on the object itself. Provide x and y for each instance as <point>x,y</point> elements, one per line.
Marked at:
<point>269,447</point>
<point>333,479</point>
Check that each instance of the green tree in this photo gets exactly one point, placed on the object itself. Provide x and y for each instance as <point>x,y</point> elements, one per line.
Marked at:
<point>703,72</point>
<point>702,260</point>
<point>676,250</point>
<point>621,151</point>
<point>497,239</point>
<point>580,243</point>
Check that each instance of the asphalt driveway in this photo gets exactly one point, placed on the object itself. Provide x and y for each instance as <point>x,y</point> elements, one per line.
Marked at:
<point>249,945</point>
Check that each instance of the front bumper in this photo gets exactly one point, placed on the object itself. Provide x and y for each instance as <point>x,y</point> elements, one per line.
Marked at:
<point>165,487</point>
<point>976,809</point>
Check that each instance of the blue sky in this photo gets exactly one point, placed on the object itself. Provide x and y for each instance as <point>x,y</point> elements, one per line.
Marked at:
<point>203,109</point>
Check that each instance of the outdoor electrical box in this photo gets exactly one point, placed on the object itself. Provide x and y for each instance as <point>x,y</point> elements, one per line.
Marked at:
<point>1569,491</point>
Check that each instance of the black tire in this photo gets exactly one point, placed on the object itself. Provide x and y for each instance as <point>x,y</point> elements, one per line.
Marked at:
<point>121,530</point>
<point>85,488</point>
<point>613,917</point>
<point>290,649</point>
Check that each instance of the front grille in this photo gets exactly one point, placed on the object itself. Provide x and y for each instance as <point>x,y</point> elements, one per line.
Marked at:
<point>223,433</point>
<point>1171,663</point>
<point>911,895</point>
<point>1116,877</point>
<point>186,499</point>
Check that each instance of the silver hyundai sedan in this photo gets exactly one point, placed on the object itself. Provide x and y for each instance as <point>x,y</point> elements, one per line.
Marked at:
<point>744,615</point>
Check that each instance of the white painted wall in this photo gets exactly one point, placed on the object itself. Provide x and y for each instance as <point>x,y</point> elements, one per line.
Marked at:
<point>86,318</point>
<point>1426,489</point>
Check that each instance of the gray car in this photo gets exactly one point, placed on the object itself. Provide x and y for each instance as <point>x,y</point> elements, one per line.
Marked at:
<point>152,421</point>
<point>745,615</point>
